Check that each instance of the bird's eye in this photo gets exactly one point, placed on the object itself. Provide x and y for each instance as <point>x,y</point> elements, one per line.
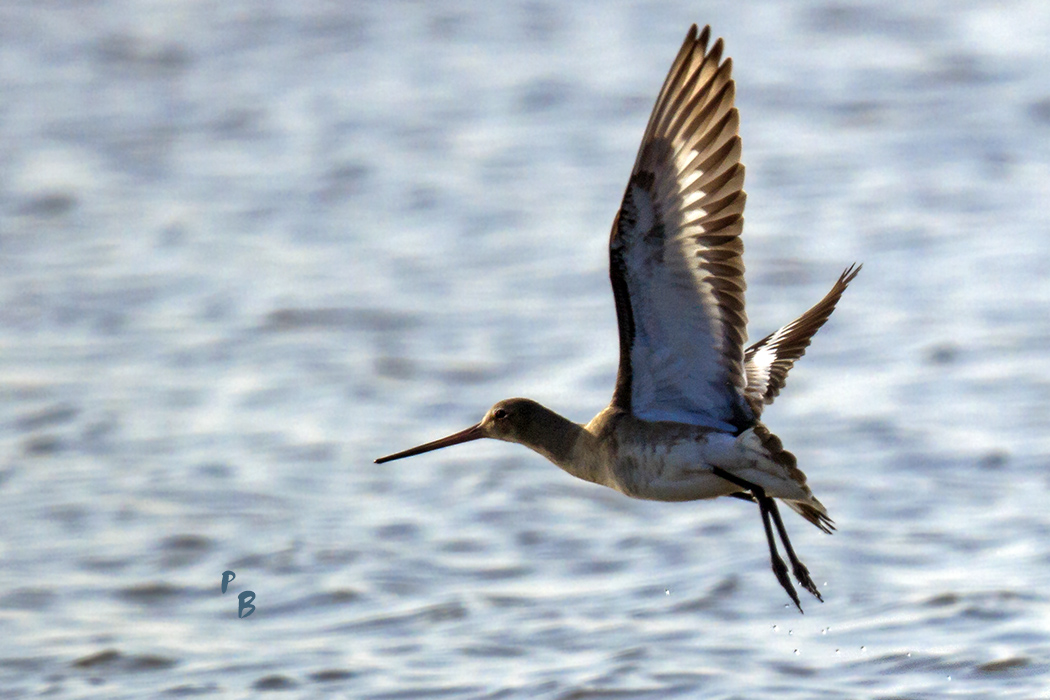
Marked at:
<point>499,413</point>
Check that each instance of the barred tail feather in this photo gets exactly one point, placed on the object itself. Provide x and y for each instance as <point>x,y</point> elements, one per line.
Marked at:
<point>814,512</point>
<point>811,509</point>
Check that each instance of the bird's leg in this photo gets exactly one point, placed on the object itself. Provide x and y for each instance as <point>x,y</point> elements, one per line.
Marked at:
<point>779,568</point>
<point>797,567</point>
<point>764,503</point>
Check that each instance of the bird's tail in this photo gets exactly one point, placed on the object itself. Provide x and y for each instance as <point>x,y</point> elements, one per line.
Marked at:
<point>814,512</point>
<point>811,509</point>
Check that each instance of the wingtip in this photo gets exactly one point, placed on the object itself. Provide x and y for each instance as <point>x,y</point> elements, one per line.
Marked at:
<point>850,272</point>
<point>716,51</point>
<point>705,35</point>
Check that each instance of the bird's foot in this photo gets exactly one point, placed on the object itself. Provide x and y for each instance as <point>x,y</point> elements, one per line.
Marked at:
<point>781,572</point>
<point>804,579</point>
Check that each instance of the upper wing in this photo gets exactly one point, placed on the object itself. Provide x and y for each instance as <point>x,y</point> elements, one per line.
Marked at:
<point>675,253</point>
<point>768,361</point>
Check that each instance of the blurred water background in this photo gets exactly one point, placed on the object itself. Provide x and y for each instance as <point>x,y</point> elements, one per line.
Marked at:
<point>247,247</point>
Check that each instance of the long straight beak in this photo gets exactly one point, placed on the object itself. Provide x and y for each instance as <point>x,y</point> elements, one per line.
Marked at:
<point>471,433</point>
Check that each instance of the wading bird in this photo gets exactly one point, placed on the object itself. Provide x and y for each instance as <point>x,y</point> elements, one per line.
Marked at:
<point>683,423</point>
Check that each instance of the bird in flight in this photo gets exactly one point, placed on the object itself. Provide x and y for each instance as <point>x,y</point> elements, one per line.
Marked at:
<point>684,420</point>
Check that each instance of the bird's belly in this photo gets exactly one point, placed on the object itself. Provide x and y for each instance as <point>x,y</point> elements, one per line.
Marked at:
<point>679,473</point>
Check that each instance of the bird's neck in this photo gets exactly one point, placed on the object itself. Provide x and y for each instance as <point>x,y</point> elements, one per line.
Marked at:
<point>563,442</point>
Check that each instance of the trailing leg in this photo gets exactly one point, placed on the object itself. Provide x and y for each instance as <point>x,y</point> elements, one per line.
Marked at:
<point>797,567</point>
<point>779,568</point>
<point>766,507</point>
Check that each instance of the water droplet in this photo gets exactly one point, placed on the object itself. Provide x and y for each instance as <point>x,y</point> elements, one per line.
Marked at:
<point>667,591</point>
<point>836,651</point>
<point>796,652</point>
<point>863,648</point>
<point>791,632</point>
<point>909,654</point>
<point>824,631</point>
<point>775,628</point>
<point>949,677</point>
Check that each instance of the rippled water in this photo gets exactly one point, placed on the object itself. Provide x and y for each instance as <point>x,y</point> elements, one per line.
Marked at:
<point>245,248</point>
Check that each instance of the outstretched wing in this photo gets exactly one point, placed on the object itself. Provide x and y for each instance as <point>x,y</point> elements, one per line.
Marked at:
<point>675,253</point>
<point>767,362</point>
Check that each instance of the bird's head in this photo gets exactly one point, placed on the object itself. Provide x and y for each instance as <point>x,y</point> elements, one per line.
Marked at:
<point>512,420</point>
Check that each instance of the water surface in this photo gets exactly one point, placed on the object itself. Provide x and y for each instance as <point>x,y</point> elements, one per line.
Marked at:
<point>245,248</point>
